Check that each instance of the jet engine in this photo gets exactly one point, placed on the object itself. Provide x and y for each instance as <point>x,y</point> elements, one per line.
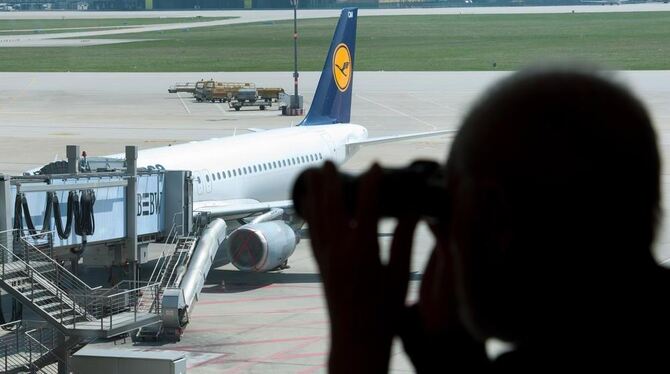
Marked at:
<point>261,246</point>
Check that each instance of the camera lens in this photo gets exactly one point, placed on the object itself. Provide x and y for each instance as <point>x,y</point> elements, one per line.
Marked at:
<point>419,188</point>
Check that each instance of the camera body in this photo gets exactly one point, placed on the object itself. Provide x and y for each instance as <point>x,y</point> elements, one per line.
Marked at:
<point>419,188</point>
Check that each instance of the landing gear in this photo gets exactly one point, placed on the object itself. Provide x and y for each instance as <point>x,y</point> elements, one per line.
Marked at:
<point>284,265</point>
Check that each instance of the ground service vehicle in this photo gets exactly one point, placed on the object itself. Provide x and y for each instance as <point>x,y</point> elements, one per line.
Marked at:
<point>225,91</point>
<point>249,97</point>
<point>270,93</point>
<point>183,87</point>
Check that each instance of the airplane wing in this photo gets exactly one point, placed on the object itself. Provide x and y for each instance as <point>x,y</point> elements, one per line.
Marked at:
<point>394,138</point>
<point>241,208</point>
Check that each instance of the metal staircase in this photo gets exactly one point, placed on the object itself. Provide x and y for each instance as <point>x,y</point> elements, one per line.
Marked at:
<point>168,272</point>
<point>28,347</point>
<point>65,301</point>
<point>178,262</point>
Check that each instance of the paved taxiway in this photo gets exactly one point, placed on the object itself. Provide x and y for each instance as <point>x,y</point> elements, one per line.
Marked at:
<point>78,38</point>
<point>256,322</point>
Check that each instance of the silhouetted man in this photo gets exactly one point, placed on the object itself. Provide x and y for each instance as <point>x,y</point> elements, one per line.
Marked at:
<point>554,191</point>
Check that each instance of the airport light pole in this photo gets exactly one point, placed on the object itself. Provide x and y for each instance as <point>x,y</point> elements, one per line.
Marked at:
<point>296,107</point>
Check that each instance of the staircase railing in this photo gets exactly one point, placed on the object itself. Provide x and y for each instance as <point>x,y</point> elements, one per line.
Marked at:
<point>29,350</point>
<point>39,355</point>
<point>19,273</point>
<point>147,294</point>
<point>75,298</point>
<point>50,268</point>
<point>12,346</point>
<point>160,270</point>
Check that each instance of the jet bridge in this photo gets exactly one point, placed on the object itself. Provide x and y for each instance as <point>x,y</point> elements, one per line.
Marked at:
<point>107,215</point>
<point>105,212</point>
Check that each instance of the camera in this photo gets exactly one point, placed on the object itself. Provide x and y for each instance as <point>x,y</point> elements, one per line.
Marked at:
<point>419,188</point>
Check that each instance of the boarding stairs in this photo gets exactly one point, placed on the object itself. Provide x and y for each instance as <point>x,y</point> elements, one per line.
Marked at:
<point>66,302</point>
<point>169,270</point>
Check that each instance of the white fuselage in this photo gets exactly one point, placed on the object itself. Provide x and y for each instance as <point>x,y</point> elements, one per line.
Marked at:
<point>258,166</point>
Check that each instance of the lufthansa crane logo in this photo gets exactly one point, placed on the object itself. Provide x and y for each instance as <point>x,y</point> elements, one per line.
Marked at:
<point>342,67</point>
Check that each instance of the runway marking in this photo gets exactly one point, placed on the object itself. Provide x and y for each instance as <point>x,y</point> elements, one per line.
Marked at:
<point>253,326</point>
<point>262,298</point>
<point>252,361</point>
<point>218,105</point>
<point>398,112</point>
<point>313,369</point>
<point>420,96</point>
<point>277,311</point>
<point>183,103</point>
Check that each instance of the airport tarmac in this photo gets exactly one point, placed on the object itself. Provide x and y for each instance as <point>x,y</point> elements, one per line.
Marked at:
<point>257,322</point>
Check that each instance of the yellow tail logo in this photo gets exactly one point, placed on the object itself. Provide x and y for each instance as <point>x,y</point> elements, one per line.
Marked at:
<point>342,67</point>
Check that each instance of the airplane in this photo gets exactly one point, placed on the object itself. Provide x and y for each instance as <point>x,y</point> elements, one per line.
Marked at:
<point>247,179</point>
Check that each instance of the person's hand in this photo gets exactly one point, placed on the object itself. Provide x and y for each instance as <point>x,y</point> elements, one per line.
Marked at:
<point>365,298</point>
<point>437,296</point>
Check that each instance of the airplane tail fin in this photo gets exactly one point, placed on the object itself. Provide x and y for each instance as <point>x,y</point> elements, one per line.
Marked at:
<point>332,100</point>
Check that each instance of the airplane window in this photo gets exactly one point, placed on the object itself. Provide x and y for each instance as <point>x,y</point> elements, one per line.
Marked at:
<point>228,173</point>
<point>283,162</point>
<point>320,157</point>
<point>302,158</point>
<point>239,171</point>
<point>294,161</point>
<point>255,169</point>
<point>274,164</point>
<point>207,177</point>
<point>244,169</point>
<point>218,175</point>
<point>234,172</point>
<point>223,173</point>
<point>198,179</point>
<point>311,157</point>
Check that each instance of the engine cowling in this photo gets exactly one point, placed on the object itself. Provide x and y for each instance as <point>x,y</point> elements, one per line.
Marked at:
<point>261,246</point>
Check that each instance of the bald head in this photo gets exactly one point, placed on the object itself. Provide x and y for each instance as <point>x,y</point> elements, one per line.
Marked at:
<point>554,181</point>
<point>565,146</point>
